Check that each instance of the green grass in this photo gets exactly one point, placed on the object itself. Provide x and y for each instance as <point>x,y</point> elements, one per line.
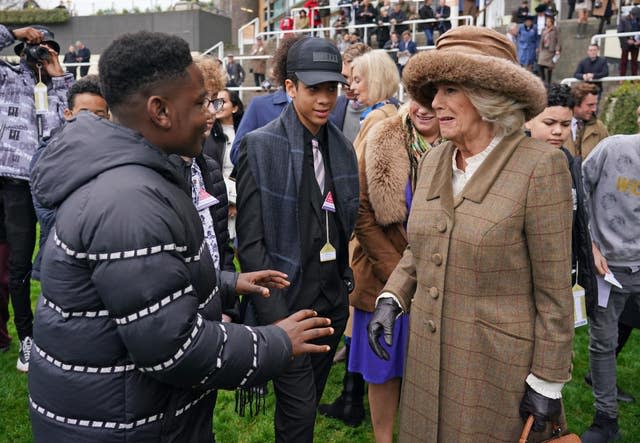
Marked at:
<point>15,428</point>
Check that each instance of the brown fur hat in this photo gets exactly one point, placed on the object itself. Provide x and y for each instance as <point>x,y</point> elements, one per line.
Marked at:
<point>476,57</point>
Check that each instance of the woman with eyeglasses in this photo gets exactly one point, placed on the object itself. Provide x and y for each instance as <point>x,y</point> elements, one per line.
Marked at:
<point>228,112</point>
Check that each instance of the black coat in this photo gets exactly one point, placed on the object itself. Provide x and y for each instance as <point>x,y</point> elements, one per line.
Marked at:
<point>583,266</point>
<point>127,344</point>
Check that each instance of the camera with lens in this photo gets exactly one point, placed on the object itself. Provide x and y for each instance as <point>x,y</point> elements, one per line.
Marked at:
<point>37,53</point>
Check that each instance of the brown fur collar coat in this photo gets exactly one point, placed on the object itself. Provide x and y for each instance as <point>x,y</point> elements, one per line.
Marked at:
<point>387,170</point>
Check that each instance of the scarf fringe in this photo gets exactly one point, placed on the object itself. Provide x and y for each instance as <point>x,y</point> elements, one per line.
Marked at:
<point>255,398</point>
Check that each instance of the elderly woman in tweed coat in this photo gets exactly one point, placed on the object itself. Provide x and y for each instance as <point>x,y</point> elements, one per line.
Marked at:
<point>487,274</point>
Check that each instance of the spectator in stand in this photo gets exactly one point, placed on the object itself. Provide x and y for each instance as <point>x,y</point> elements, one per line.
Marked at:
<point>235,72</point>
<point>512,34</point>
<point>384,29</point>
<point>340,23</point>
<point>583,7</point>
<point>443,11</point>
<point>344,42</point>
<point>412,14</point>
<point>527,43</point>
<point>541,18</point>
<point>604,10</point>
<point>259,66</point>
<point>266,108</point>
<point>302,21</point>
<point>366,14</point>
<point>407,48</point>
<point>396,17</point>
<point>521,14</point>
<point>83,55</point>
<point>592,67</point>
<point>287,24</point>
<point>314,15</point>
<point>629,45</point>
<point>20,135</point>
<point>393,43</point>
<point>70,57</point>
<point>586,129</point>
<point>549,49</point>
<point>470,7</point>
<point>426,12</point>
<point>325,13</point>
<point>572,9</point>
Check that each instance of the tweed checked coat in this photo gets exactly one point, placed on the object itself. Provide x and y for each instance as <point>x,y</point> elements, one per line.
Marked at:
<point>487,280</point>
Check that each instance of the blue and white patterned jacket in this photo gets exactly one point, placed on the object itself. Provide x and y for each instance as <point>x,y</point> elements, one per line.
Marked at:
<point>18,134</point>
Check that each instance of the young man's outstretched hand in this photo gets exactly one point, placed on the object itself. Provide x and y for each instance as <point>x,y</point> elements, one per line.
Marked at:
<point>259,282</point>
<point>304,326</point>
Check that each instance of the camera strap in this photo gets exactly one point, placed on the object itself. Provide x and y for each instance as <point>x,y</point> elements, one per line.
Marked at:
<point>41,99</point>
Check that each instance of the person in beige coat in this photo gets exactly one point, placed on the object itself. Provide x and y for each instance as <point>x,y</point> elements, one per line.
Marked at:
<point>549,49</point>
<point>486,277</point>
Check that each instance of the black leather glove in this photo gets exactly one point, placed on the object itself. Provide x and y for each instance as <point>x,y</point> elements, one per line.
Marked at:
<point>542,408</point>
<point>382,321</point>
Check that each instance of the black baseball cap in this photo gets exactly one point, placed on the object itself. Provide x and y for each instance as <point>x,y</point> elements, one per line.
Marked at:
<point>47,39</point>
<point>315,60</point>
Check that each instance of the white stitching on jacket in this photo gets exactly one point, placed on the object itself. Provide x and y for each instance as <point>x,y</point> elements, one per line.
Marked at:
<point>191,404</point>
<point>94,423</point>
<point>254,363</point>
<point>180,352</point>
<point>87,369</point>
<point>127,254</point>
<point>225,337</point>
<point>154,307</point>
<point>67,314</point>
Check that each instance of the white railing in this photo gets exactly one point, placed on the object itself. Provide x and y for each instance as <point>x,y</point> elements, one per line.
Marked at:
<point>256,24</point>
<point>220,47</point>
<point>615,78</point>
<point>466,19</point>
<point>595,40</point>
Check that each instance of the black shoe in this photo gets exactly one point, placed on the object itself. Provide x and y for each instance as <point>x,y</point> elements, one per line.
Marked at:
<point>351,414</point>
<point>623,397</point>
<point>603,430</point>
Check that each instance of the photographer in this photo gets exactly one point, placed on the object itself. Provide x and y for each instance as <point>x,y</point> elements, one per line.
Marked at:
<point>20,130</point>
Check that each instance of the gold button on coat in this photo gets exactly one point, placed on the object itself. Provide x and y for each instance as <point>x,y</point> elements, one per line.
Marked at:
<point>434,293</point>
<point>437,259</point>
<point>432,325</point>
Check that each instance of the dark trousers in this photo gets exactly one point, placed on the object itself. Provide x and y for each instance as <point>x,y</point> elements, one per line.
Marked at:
<point>258,78</point>
<point>624,56</point>
<point>545,74</point>
<point>5,338</point>
<point>19,222</point>
<point>299,389</point>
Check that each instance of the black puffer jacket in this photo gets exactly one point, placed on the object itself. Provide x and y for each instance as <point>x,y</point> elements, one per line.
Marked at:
<point>126,343</point>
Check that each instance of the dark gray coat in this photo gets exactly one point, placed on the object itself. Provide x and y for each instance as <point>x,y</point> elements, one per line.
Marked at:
<point>127,347</point>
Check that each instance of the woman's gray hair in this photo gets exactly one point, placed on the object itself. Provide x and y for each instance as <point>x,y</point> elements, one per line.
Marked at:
<point>504,112</point>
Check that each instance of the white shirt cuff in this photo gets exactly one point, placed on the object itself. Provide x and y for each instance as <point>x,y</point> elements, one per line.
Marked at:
<point>547,388</point>
<point>388,295</point>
